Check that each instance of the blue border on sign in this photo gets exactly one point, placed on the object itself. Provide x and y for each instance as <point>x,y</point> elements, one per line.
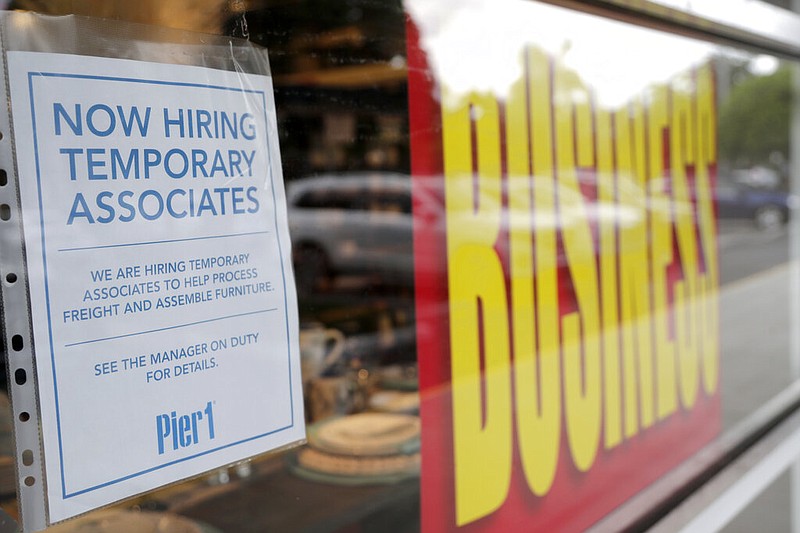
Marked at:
<point>41,75</point>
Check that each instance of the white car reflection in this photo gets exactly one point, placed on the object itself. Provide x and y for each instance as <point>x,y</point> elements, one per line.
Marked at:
<point>358,223</point>
<point>361,223</point>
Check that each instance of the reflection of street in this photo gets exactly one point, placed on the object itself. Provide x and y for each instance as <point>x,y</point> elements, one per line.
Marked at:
<point>755,321</point>
<point>755,324</point>
<point>378,318</point>
<point>745,250</point>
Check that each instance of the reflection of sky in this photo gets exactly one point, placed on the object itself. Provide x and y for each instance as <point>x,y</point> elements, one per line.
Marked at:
<point>476,44</point>
<point>763,65</point>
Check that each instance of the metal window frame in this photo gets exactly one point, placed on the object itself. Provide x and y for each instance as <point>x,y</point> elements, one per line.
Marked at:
<point>749,23</point>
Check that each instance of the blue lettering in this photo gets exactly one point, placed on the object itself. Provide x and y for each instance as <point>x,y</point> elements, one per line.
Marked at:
<point>210,416</point>
<point>203,123</point>
<point>92,163</point>
<point>105,207</point>
<point>206,204</point>
<point>249,161</point>
<point>252,196</point>
<point>79,209</point>
<point>159,202</point>
<point>152,158</point>
<point>221,192</point>
<point>237,198</point>
<point>168,122</point>
<point>118,163</point>
<point>170,208</point>
<point>247,126</point>
<point>182,156</point>
<point>71,152</point>
<point>112,121</point>
<point>235,160</point>
<point>162,430</point>
<point>123,203</point>
<point>199,160</point>
<point>75,125</point>
<point>218,164</point>
<point>127,127</point>
<point>231,127</point>
<point>182,431</point>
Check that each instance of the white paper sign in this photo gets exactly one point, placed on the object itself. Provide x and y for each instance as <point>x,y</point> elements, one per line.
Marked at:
<point>164,312</point>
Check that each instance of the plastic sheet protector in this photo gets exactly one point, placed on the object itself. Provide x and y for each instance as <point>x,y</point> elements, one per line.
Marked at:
<point>157,264</point>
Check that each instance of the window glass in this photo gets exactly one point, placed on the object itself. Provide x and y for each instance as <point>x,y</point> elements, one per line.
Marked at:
<point>771,510</point>
<point>537,252</point>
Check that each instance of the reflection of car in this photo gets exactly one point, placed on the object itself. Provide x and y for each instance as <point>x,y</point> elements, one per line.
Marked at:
<point>351,223</point>
<point>767,208</point>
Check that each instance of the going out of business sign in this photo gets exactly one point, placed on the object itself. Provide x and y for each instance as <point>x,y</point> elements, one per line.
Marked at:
<point>164,318</point>
<point>570,291</point>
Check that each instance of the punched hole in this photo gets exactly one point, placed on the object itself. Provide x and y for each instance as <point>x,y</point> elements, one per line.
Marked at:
<point>3,177</point>
<point>5,212</point>
<point>24,416</point>
<point>11,278</point>
<point>27,457</point>
<point>30,481</point>
<point>20,376</point>
<point>17,343</point>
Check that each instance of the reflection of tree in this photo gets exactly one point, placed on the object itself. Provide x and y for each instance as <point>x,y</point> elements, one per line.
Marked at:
<point>754,120</point>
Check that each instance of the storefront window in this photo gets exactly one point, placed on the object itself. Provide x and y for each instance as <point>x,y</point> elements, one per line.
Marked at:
<point>773,506</point>
<point>537,252</point>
